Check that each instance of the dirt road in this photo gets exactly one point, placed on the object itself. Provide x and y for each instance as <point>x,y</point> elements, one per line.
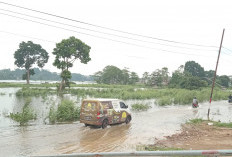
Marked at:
<point>199,137</point>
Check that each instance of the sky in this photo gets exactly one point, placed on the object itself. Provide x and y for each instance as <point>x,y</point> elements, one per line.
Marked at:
<point>142,35</point>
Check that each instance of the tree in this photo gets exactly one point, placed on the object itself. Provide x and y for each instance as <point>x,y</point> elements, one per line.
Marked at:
<point>194,69</point>
<point>164,74</point>
<point>156,78</point>
<point>98,77</point>
<point>176,79</point>
<point>29,54</point>
<point>66,52</point>
<point>125,76</point>
<point>112,75</point>
<point>133,78</point>
<point>224,80</point>
<point>146,78</point>
<point>192,82</point>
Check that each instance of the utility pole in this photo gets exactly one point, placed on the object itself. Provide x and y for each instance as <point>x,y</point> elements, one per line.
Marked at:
<point>215,73</point>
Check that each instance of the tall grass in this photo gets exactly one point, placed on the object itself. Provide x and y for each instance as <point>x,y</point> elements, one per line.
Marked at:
<point>25,91</point>
<point>165,96</point>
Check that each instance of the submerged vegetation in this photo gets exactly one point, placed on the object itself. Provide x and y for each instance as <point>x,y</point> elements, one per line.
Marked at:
<point>25,116</point>
<point>66,111</point>
<point>140,107</point>
<point>165,96</point>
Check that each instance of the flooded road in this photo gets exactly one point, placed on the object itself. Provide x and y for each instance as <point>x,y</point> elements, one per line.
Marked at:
<point>145,128</point>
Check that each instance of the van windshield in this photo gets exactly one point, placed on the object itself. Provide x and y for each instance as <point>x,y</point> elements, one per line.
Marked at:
<point>89,106</point>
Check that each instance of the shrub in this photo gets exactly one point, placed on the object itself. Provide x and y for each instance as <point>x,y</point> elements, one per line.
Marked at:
<point>140,107</point>
<point>52,114</point>
<point>26,114</point>
<point>66,111</point>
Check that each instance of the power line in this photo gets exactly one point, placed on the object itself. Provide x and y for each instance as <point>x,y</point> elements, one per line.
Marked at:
<point>20,35</point>
<point>227,49</point>
<point>103,32</point>
<point>102,27</point>
<point>163,50</point>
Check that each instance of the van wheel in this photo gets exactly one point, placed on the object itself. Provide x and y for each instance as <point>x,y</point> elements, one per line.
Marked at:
<point>128,119</point>
<point>104,123</point>
<point>86,124</point>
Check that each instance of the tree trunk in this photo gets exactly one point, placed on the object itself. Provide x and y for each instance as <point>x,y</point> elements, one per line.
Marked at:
<point>28,76</point>
<point>61,85</point>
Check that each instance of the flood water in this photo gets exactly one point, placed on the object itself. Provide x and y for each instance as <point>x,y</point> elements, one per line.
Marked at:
<point>40,138</point>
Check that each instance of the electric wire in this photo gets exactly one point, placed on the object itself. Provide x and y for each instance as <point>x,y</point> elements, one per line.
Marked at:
<point>104,32</point>
<point>163,50</point>
<point>107,28</point>
<point>20,35</point>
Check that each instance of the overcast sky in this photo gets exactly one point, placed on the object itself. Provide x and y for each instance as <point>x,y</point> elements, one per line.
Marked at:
<point>198,22</point>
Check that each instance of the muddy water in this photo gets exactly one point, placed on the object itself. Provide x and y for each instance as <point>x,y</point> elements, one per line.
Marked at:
<point>145,128</point>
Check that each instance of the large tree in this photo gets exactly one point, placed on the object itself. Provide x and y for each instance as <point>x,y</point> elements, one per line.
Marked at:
<point>224,80</point>
<point>133,78</point>
<point>112,75</point>
<point>30,54</point>
<point>66,52</point>
<point>194,69</point>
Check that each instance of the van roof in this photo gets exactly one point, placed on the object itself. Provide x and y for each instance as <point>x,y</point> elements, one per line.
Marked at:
<point>100,99</point>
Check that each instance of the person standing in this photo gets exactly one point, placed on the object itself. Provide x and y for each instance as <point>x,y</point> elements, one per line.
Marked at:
<point>195,103</point>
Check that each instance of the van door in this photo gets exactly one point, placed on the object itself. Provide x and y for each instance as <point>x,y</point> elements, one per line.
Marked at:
<point>123,108</point>
<point>89,110</point>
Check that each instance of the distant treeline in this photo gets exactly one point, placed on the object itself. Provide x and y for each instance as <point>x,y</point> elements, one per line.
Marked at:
<point>7,74</point>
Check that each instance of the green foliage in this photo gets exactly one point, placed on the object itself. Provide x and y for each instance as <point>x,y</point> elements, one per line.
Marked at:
<point>194,69</point>
<point>39,74</point>
<point>225,125</point>
<point>52,114</point>
<point>224,80</point>
<point>218,124</point>
<point>157,78</point>
<point>114,75</point>
<point>26,91</point>
<point>25,116</point>
<point>66,111</point>
<point>186,81</point>
<point>165,100</point>
<point>140,107</point>
<point>195,121</point>
<point>66,52</point>
<point>29,54</point>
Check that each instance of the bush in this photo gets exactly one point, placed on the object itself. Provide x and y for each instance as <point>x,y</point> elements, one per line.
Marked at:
<point>26,114</point>
<point>52,114</point>
<point>66,111</point>
<point>140,107</point>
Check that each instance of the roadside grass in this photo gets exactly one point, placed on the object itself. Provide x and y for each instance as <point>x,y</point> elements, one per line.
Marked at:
<point>25,116</point>
<point>156,148</point>
<point>140,107</point>
<point>195,121</point>
<point>218,124</point>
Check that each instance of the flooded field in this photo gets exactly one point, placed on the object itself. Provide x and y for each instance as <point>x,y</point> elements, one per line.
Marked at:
<point>40,138</point>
